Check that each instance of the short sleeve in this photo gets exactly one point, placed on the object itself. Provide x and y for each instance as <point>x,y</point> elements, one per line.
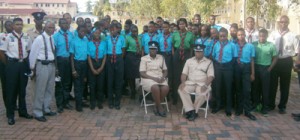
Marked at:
<point>29,43</point>
<point>4,43</point>
<point>296,44</point>
<point>186,68</point>
<point>143,64</point>
<point>274,51</point>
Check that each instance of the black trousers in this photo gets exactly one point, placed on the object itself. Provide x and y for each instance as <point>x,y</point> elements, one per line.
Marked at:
<point>62,88</point>
<point>282,73</point>
<point>178,65</point>
<point>261,86</point>
<point>242,85</point>
<point>16,82</point>
<point>79,84</point>
<point>3,82</point>
<point>168,59</point>
<point>115,75</point>
<point>223,78</point>
<point>96,84</point>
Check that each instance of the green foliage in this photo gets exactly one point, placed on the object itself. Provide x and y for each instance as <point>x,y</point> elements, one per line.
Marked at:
<point>267,9</point>
<point>89,6</point>
<point>100,7</point>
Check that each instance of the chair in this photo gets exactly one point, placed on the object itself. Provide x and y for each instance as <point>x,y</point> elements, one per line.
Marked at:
<point>145,104</point>
<point>201,108</point>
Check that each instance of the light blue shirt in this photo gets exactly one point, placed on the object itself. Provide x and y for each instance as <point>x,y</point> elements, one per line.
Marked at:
<point>120,44</point>
<point>248,52</point>
<point>217,27</point>
<point>208,45</point>
<point>146,39</point>
<point>229,52</point>
<point>79,47</point>
<point>102,48</point>
<point>161,42</point>
<point>60,43</point>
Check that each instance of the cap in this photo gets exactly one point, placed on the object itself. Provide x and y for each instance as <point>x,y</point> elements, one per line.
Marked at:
<point>153,45</point>
<point>199,48</point>
<point>38,15</point>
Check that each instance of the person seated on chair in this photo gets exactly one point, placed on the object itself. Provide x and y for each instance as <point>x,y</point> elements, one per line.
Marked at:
<point>197,75</point>
<point>153,72</point>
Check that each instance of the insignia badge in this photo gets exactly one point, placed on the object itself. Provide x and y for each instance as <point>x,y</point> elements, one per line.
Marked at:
<point>3,38</point>
<point>153,45</point>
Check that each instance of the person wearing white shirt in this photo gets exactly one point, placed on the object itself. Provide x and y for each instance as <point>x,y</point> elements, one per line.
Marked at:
<point>287,46</point>
<point>42,64</point>
<point>251,32</point>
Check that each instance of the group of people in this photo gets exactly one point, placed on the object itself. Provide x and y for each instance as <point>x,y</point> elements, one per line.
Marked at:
<point>177,58</point>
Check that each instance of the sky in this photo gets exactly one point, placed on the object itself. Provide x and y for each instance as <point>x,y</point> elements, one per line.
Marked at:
<point>81,4</point>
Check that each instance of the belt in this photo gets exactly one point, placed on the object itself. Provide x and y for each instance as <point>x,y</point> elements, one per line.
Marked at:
<point>166,53</point>
<point>63,58</point>
<point>80,61</point>
<point>118,55</point>
<point>50,61</point>
<point>15,60</point>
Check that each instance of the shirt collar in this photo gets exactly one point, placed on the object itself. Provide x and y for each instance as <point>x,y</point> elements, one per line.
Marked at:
<point>18,35</point>
<point>46,35</point>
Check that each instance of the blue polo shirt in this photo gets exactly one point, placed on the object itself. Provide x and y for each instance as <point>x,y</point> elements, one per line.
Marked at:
<point>248,52</point>
<point>234,41</point>
<point>208,45</point>
<point>60,43</point>
<point>216,27</point>
<point>161,42</point>
<point>75,33</point>
<point>79,47</point>
<point>229,52</point>
<point>124,34</point>
<point>146,39</point>
<point>120,44</point>
<point>102,48</point>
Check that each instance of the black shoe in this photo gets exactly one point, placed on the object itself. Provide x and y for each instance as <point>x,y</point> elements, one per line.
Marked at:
<point>50,113</point>
<point>79,109</point>
<point>11,121</point>
<point>26,116</point>
<point>68,106</point>
<point>132,96</point>
<point>282,111</point>
<point>100,106</point>
<point>264,112</point>
<point>92,107</point>
<point>297,119</point>
<point>71,97</point>
<point>295,115</point>
<point>192,117</point>
<point>41,119</point>
<point>238,113</point>
<point>214,111</point>
<point>161,113</point>
<point>250,116</point>
<point>85,105</point>
<point>117,107</point>
<point>111,106</point>
<point>60,110</point>
<point>228,114</point>
<point>188,114</point>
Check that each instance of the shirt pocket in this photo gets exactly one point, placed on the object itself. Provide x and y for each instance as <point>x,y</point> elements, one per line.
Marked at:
<point>12,44</point>
<point>152,65</point>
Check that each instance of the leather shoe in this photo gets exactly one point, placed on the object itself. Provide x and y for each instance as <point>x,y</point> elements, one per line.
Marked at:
<point>41,119</point>
<point>79,109</point>
<point>250,116</point>
<point>50,113</point>
<point>297,119</point>
<point>238,113</point>
<point>26,116</point>
<point>117,107</point>
<point>100,106</point>
<point>85,105</point>
<point>11,121</point>
<point>214,111</point>
<point>111,106</point>
<point>296,115</point>
<point>282,111</point>
<point>192,117</point>
<point>68,106</point>
<point>60,110</point>
<point>228,114</point>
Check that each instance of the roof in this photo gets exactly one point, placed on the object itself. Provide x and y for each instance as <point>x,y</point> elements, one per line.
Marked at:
<point>34,1</point>
<point>8,11</point>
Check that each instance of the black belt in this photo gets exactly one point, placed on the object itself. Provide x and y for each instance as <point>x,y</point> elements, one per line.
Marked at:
<point>15,59</point>
<point>166,53</point>
<point>46,62</point>
<point>63,58</point>
<point>80,61</point>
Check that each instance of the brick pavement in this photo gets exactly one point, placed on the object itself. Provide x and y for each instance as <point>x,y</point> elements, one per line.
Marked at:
<point>131,123</point>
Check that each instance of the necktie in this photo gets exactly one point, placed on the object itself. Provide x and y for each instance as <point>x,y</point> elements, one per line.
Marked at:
<point>203,40</point>
<point>114,42</point>
<point>250,36</point>
<point>137,45</point>
<point>67,41</point>
<point>181,53</point>
<point>241,45</point>
<point>20,46</point>
<point>281,41</point>
<point>97,43</point>
<point>222,45</point>
<point>151,36</point>
<point>165,41</point>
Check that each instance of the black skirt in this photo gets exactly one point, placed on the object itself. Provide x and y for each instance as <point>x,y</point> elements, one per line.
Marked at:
<point>132,65</point>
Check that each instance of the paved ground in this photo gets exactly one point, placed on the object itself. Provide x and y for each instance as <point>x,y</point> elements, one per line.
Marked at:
<point>132,123</point>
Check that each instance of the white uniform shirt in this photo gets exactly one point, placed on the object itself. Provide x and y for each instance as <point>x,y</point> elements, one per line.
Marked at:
<point>290,43</point>
<point>38,49</point>
<point>11,46</point>
<point>254,35</point>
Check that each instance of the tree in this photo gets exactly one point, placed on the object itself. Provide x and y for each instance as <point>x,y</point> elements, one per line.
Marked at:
<point>145,8</point>
<point>174,8</point>
<point>100,7</point>
<point>89,6</point>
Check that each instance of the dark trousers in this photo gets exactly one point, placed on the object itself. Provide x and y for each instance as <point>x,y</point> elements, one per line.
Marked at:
<point>2,76</point>
<point>282,72</point>
<point>16,82</point>
<point>224,77</point>
<point>81,69</point>
<point>261,86</point>
<point>62,88</point>
<point>96,84</point>
<point>115,74</point>
<point>178,65</point>
<point>242,85</point>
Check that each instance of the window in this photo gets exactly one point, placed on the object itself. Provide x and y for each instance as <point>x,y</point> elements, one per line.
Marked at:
<point>62,5</point>
<point>53,5</point>
<point>57,5</point>
<point>36,5</point>
<point>41,5</point>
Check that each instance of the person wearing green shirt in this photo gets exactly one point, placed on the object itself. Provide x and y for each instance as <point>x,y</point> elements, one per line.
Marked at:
<point>182,50</point>
<point>133,58</point>
<point>266,58</point>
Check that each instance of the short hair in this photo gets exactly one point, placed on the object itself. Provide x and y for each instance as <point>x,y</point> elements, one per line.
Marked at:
<point>49,22</point>
<point>285,16</point>
<point>197,15</point>
<point>119,25</point>
<point>113,26</point>
<point>182,20</point>
<point>86,19</point>
<point>250,18</point>
<point>159,18</point>
<point>66,14</point>
<point>113,21</point>
<point>213,16</point>
<point>167,23</point>
<point>152,23</point>
<point>190,23</point>
<point>61,19</point>
<point>128,21</point>
<point>207,29</point>
<point>17,19</point>
<point>81,27</point>
<point>234,25</point>
<point>223,30</point>
<point>264,31</point>
<point>196,25</point>
<point>6,22</point>
<point>241,30</point>
<point>133,27</point>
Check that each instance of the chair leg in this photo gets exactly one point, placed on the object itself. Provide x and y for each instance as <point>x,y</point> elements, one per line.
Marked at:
<point>166,100</point>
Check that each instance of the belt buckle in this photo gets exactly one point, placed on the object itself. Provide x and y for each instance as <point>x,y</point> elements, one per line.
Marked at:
<point>20,60</point>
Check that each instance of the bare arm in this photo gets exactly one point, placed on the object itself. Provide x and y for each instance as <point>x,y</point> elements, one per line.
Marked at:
<point>2,57</point>
<point>274,61</point>
<point>91,65</point>
<point>102,65</point>
<point>252,70</point>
